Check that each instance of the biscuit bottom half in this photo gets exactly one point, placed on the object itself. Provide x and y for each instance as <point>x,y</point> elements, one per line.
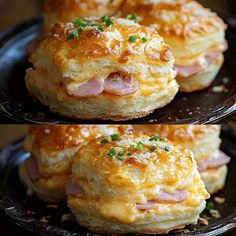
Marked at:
<point>96,219</point>
<point>104,106</point>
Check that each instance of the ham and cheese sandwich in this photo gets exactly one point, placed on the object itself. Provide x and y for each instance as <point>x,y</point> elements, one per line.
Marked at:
<point>107,68</point>
<point>52,149</point>
<point>135,184</point>
<point>195,34</point>
<point>204,141</point>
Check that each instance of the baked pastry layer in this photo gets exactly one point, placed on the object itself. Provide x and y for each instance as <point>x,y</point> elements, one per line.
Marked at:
<point>117,72</point>
<point>136,184</point>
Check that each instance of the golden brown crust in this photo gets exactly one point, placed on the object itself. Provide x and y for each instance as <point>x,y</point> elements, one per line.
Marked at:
<point>186,19</point>
<point>73,57</point>
<point>181,133</point>
<point>70,10</point>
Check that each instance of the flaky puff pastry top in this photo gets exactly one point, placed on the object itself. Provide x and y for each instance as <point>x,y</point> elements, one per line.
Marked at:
<point>136,168</point>
<point>100,50</point>
<point>203,140</point>
<point>54,146</point>
<point>188,27</point>
<point>70,10</point>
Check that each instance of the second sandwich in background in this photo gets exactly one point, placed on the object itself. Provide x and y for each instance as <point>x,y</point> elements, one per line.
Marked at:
<point>204,141</point>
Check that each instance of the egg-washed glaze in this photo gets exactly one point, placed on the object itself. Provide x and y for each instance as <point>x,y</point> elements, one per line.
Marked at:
<point>203,140</point>
<point>69,10</point>
<point>191,30</point>
<point>181,133</point>
<point>138,177</point>
<point>186,19</point>
<point>96,54</point>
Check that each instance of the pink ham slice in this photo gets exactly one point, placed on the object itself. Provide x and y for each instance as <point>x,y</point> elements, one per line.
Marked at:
<point>120,85</point>
<point>164,197</point>
<point>186,71</point>
<point>217,160</point>
<point>91,88</point>
<point>74,189</point>
<point>32,168</point>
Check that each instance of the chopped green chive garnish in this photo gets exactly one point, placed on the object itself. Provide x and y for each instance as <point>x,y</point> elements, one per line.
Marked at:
<point>120,155</point>
<point>132,39</point>
<point>111,1</point>
<point>154,138</point>
<point>132,16</point>
<point>209,206</point>
<point>73,35</point>
<point>112,152</point>
<point>105,141</point>
<point>167,148</point>
<point>129,153</point>
<point>140,146</point>
<point>115,137</point>
<point>80,23</point>
<point>144,39</point>
<point>131,145</point>
<point>162,139</point>
<point>107,20</point>
<point>153,148</point>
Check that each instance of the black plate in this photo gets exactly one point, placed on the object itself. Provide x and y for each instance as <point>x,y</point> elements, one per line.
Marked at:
<point>18,206</point>
<point>15,103</point>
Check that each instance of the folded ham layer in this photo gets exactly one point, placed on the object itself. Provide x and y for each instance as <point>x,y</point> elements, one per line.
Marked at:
<point>116,84</point>
<point>74,189</point>
<point>208,58</point>
<point>215,162</point>
<point>33,169</point>
<point>186,71</point>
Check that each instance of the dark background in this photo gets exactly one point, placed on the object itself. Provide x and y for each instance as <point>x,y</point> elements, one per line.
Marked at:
<point>15,11</point>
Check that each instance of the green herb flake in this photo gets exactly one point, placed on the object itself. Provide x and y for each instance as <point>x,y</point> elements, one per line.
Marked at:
<point>107,20</point>
<point>111,1</point>
<point>154,138</point>
<point>162,139</point>
<point>73,35</point>
<point>80,23</point>
<point>140,146</point>
<point>120,155</point>
<point>209,206</point>
<point>129,154</point>
<point>115,137</point>
<point>132,39</point>
<point>112,153</point>
<point>153,148</point>
<point>167,148</point>
<point>131,145</point>
<point>133,17</point>
<point>104,141</point>
<point>144,40</point>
